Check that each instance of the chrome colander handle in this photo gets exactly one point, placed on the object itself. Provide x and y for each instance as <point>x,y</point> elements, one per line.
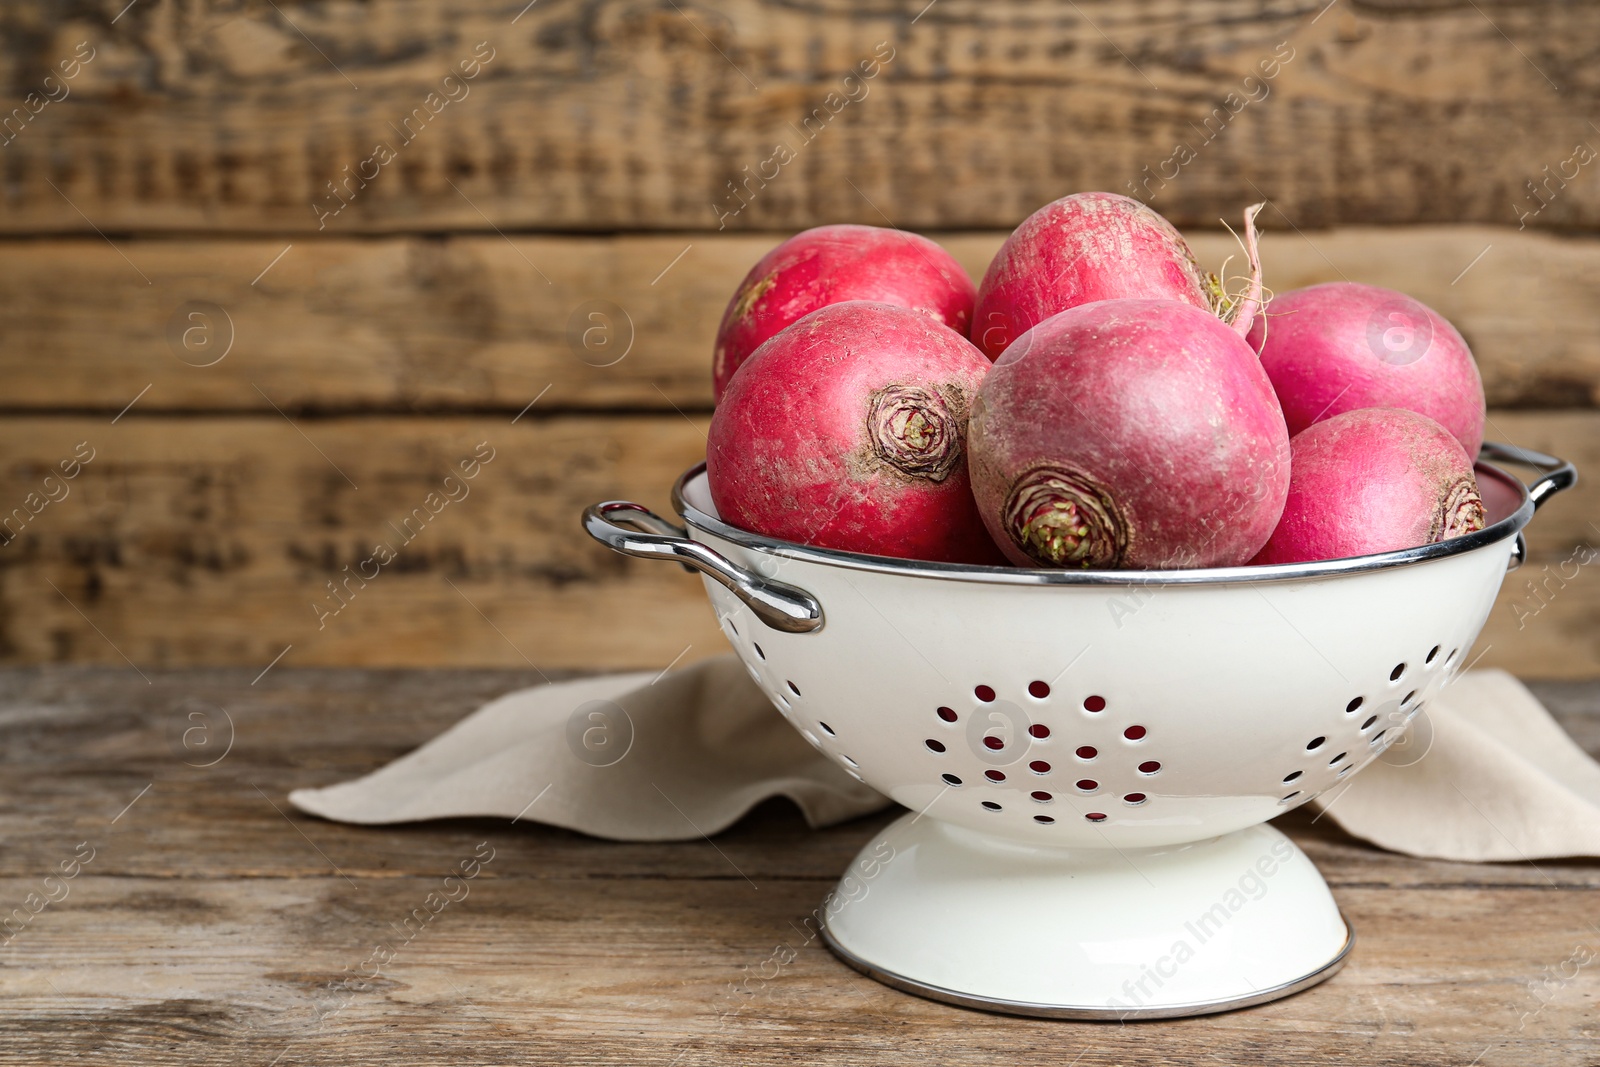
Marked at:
<point>1557,475</point>
<point>781,606</point>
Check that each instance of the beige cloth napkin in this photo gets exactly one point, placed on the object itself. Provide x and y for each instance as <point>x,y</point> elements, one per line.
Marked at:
<point>632,757</point>
<point>1485,773</point>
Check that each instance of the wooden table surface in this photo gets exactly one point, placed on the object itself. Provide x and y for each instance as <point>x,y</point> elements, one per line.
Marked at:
<point>205,922</point>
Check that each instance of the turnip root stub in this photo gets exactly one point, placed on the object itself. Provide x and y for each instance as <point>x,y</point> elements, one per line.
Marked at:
<point>1134,434</point>
<point>848,430</point>
<point>1374,480</point>
<point>832,264</point>
<point>1340,346</point>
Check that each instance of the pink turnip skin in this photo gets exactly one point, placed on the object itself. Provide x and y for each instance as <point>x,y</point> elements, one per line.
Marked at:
<point>1134,434</point>
<point>1340,346</point>
<point>848,430</point>
<point>831,264</point>
<point>1096,246</point>
<point>1373,480</point>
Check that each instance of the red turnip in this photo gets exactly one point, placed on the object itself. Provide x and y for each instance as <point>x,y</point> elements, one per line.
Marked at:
<point>1341,346</point>
<point>831,264</point>
<point>1098,246</point>
<point>1373,480</point>
<point>848,430</point>
<point>1129,433</point>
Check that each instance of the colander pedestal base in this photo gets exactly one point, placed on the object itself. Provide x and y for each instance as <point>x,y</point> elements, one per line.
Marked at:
<point>957,916</point>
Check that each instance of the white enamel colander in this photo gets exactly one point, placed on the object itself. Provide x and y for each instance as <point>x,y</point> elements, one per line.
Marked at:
<point>1088,756</point>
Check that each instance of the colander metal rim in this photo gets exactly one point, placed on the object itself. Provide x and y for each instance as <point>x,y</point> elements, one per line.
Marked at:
<point>1506,528</point>
<point>1087,1013</point>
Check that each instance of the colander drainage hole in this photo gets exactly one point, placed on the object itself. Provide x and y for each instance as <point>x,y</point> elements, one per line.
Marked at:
<point>1377,737</point>
<point>1094,704</point>
<point>731,626</point>
<point>1343,771</point>
<point>1290,797</point>
<point>848,762</point>
<point>990,741</point>
<point>947,714</point>
<point>795,689</point>
<point>1354,706</point>
<point>1315,743</point>
<point>950,779</point>
<point>1041,796</point>
<point>1408,698</point>
<point>1134,733</point>
<point>1399,669</point>
<point>826,729</point>
<point>1149,767</point>
<point>1451,658</point>
<point>1039,766</point>
<point>1135,799</point>
<point>994,775</point>
<point>1368,724</point>
<point>1039,730</point>
<point>757,647</point>
<point>1335,760</point>
<point>1043,819</point>
<point>1088,785</point>
<point>1291,776</point>
<point>1096,816</point>
<point>934,746</point>
<point>984,693</point>
<point>1432,655</point>
<point>1039,689</point>
<point>991,805</point>
<point>1088,752</point>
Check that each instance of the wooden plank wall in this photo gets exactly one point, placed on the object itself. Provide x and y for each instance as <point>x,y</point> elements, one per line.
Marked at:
<point>305,361</point>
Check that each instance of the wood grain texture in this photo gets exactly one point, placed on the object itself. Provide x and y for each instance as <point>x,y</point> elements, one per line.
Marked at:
<point>467,323</point>
<point>234,115</point>
<point>211,928</point>
<point>212,541</point>
<point>216,540</point>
